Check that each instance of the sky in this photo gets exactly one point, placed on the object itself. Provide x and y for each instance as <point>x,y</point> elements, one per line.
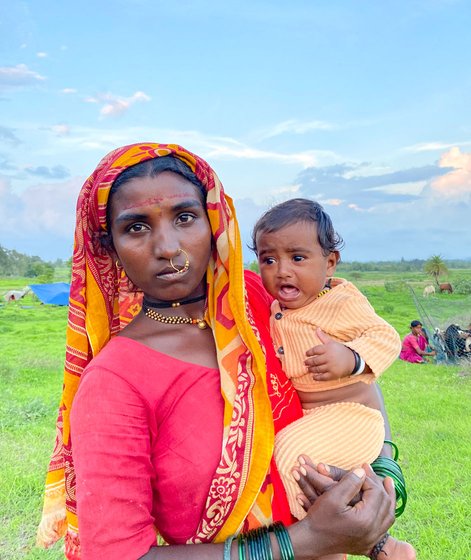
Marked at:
<point>364,106</point>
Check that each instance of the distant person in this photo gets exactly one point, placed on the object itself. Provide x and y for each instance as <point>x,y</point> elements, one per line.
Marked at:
<point>415,345</point>
<point>298,250</point>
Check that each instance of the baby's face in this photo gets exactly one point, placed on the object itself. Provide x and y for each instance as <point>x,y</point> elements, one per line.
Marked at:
<point>292,265</point>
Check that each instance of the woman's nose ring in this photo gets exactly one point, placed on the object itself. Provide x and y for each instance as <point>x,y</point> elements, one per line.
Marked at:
<point>185,267</point>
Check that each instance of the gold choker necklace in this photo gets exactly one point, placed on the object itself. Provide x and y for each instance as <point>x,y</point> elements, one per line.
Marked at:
<point>174,319</point>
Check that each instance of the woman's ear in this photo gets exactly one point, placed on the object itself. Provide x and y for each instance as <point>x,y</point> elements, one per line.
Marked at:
<point>106,241</point>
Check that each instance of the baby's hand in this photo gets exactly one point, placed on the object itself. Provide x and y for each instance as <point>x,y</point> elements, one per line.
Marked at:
<point>329,360</point>
<point>314,480</point>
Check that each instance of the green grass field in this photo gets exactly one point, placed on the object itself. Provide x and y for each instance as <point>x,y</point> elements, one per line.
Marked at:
<point>429,408</point>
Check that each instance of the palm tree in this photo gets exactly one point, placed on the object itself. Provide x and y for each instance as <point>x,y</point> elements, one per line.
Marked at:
<point>435,267</point>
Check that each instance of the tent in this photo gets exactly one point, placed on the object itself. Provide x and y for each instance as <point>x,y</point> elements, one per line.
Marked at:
<point>53,294</point>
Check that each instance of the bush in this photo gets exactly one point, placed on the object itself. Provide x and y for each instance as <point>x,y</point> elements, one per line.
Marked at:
<point>395,286</point>
<point>462,286</point>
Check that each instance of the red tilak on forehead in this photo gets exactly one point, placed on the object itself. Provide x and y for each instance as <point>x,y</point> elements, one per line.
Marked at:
<point>156,200</point>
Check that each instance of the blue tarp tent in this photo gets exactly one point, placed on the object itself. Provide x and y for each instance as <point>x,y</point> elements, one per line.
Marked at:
<point>54,294</point>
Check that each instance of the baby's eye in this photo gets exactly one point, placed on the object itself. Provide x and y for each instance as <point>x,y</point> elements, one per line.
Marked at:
<point>298,258</point>
<point>185,218</point>
<point>268,260</point>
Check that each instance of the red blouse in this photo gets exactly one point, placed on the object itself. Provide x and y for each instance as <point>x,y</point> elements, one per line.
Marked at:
<point>139,441</point>
<point>146,430</point>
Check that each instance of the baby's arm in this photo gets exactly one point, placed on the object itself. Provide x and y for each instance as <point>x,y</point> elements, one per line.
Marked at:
<point>329,360</point>
<point>364,332</point>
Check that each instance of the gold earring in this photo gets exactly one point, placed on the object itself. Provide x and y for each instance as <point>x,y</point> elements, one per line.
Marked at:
<point>185,267</point>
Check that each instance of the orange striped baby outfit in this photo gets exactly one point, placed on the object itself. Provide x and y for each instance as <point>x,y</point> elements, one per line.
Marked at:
<point>345,315</point>
<point>345,434</point>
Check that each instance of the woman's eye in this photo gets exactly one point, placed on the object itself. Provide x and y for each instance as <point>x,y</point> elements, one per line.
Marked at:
<point>136,228</point>
<point>185,218</point>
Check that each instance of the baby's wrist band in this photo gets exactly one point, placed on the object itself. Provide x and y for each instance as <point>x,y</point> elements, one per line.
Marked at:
<point>359,366</point>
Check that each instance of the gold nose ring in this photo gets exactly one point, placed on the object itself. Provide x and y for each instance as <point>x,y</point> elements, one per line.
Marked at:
<point>185,267</point>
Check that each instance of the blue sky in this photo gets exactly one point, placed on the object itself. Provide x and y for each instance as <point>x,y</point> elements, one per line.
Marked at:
<point>361,105</point>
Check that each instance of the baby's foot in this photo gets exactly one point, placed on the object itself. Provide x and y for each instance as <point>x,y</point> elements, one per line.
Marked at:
<point>396,550</point>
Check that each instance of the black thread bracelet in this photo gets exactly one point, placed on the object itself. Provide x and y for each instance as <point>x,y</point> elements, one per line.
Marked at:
<point>378,547</point>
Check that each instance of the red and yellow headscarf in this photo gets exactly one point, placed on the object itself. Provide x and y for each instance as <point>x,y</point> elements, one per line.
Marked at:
<point>100,306</point>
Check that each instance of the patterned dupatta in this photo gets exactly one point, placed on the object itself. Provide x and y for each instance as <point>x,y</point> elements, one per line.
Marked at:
<point>100,305</point>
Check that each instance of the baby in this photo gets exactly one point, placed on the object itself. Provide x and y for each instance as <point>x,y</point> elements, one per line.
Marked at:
<point>350,346</point>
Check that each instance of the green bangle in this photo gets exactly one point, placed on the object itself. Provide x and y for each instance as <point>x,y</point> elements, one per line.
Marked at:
<point>227,547</point>
<point>395,448</point>
<point>284,541</point>
<point>241,547</point>
<point>385,466</point>
<point>252,543</point>
<point>258,544</point>
<point>267,542</point>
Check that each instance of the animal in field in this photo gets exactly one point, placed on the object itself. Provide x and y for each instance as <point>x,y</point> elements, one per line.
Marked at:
<point>458,341</point>
<point>429,290</point>
<point>15,295</point>
<point>446,287</point>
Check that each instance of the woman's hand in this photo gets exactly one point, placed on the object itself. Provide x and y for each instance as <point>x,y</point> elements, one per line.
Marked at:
<point>314,480</point>
<point>349,514</point>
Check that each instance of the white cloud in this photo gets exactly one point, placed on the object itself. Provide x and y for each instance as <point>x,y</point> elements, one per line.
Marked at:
<point>61,129</point>
<point>41,54</point>
<point>114,105</point>
<point>457,183</point>
<point>48,208</point>
<point>433,146</point>
<point>413,187</point>
<point>18,76</point>
<point>295,126</point>
<point>68,90</point>
<point>308,158</point>
<point>333,202</point>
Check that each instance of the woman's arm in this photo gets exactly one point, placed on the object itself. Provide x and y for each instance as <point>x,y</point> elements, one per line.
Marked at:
<point>331,525</point>
<point>413,343</point>
<point>111,451</point>
<point>386,451</point>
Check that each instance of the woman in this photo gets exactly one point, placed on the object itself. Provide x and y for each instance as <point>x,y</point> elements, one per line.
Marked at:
<point>414,345</point>
<point>173,423</point>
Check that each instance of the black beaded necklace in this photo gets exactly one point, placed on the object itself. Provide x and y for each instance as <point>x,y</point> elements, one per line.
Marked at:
<point>168,304</point>
<point>149,310</point>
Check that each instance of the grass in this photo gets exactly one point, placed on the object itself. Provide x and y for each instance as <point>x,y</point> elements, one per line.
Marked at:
<point>429,408</point>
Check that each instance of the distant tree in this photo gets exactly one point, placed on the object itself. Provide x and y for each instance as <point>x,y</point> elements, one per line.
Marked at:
<point>435,267</point>
<point>252,266</point>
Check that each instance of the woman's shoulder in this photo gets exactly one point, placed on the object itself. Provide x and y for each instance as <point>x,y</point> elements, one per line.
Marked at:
<point>258,298</point>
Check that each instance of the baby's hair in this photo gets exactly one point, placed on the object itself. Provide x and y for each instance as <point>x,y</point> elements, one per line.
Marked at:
<point>151,168</point>
<point>294,211</point>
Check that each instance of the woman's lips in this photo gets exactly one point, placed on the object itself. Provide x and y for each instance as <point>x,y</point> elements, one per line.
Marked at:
<point>170,275</point>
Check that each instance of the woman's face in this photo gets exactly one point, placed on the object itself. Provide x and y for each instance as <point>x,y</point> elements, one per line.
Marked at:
<point>417,330</point>
<point>152,220</point>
